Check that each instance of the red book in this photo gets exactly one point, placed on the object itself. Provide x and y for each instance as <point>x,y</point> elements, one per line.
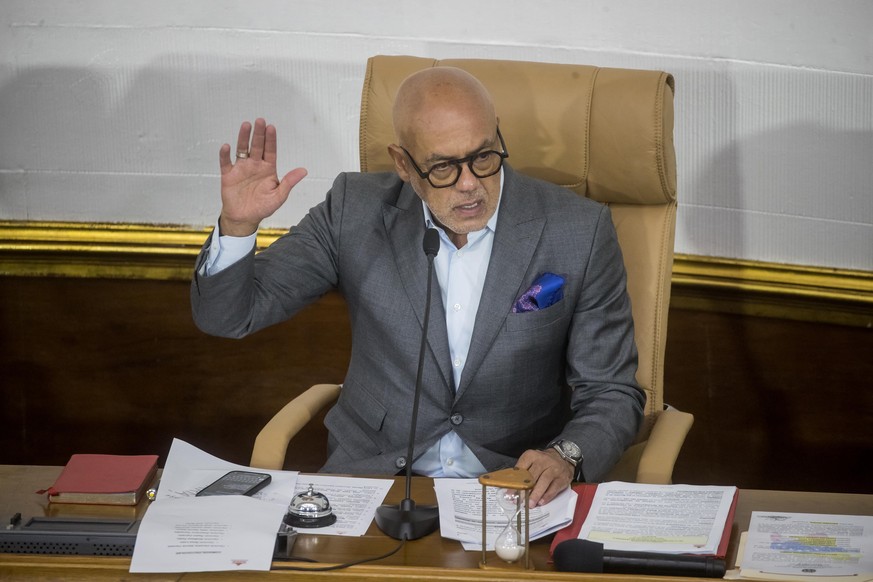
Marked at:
<point>104,479</point>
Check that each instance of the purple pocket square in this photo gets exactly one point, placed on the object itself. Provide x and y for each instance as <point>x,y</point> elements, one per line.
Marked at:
<point>547,290</point>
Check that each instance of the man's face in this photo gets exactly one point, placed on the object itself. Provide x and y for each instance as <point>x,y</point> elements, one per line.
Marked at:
<point>466,206</point>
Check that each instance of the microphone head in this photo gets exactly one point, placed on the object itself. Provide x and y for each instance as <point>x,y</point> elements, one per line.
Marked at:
<point>578,556</point>
<point>431,242</point>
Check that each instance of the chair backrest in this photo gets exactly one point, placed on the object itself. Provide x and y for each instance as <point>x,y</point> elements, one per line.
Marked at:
<point>604,133</point>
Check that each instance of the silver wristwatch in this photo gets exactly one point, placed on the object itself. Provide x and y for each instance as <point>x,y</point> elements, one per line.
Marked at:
<point>570,452</point>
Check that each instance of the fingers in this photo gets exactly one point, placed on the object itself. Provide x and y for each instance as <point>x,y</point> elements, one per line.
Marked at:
<point>270,144</point>
<point>257,145</point>
<point>551,475</point>
<point>292,178</point>
<point>545,490</point>
<point>242,140</point>
<point>224,162</point>
<point>256,152</point>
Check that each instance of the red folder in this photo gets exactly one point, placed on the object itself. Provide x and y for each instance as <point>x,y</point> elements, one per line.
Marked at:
<point>586,492</point>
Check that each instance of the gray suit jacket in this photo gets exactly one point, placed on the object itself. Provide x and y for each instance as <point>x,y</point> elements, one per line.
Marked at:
<point>565,371</point>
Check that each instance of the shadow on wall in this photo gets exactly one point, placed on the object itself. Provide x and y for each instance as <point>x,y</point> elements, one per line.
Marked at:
<point>795,189</point>
<point>743,394</point>
<point>141,145</point>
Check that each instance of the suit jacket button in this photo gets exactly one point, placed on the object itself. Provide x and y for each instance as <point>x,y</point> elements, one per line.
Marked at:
<point>400,462</point>
<point>457,418</point>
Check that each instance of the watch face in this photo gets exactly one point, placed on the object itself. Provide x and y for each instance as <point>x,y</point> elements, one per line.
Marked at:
<point>571,449</point>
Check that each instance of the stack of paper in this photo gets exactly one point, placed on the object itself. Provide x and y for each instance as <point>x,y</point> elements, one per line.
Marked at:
<point>670,519</point>
<point>460,503</point>
<point>675,519</point>
<point>184,533</point>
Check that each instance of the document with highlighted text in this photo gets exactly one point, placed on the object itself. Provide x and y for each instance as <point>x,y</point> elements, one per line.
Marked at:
<point>807,545</point>
<point>675,519</point>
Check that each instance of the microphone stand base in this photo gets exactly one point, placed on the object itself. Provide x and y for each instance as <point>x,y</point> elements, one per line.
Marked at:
<point>406,521</point>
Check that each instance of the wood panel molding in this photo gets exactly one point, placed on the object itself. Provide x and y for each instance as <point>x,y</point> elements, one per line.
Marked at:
<point>761,289</point>
<point>167,252</point>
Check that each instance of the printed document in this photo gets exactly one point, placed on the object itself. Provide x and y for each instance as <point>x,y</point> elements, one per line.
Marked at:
<point>687,519</point>
<point>807,545</point>
<point>207,534</point>
<point>353,500</point>
<point>184,533</point>
<point>460,505</point>
<point>189,469</point>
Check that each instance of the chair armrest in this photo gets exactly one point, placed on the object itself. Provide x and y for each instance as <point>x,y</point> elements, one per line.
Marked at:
<point>271,444</point>
<point>662,449</point>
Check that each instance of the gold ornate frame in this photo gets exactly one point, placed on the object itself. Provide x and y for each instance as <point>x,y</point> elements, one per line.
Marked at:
<point>167,252</point>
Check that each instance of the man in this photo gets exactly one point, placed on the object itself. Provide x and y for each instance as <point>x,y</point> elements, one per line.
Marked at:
<point>509,379</point>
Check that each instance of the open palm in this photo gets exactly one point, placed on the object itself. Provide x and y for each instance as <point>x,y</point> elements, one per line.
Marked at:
<point>250,188</point>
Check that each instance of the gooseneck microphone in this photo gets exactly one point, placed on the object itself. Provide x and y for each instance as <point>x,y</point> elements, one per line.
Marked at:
<point>586,556</point>
<point>406,521</point>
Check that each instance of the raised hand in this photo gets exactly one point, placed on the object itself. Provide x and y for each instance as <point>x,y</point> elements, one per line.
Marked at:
<point>250,188</point>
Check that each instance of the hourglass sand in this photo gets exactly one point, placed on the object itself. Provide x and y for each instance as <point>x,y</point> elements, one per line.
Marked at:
<point>509,546</point>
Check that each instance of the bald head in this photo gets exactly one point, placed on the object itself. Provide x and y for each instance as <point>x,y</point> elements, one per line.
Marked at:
<point>436,96</point>
<point>444,118</point>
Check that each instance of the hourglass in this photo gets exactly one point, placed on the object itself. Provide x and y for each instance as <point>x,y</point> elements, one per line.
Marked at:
<point>509,546</point>
<point>513,489</point>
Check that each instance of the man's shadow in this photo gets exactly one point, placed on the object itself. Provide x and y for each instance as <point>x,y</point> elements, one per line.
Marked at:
<point>754,421</point>
<point>117,145</point>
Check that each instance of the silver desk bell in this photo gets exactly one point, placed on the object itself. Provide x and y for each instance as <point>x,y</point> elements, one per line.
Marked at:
<point>309,509</point>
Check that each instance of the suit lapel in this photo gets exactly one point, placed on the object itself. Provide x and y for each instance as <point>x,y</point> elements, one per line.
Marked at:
<point>404,224</point>
<point>519,227</point>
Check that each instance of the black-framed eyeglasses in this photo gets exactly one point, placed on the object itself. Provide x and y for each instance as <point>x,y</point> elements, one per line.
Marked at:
<point>447,173</point>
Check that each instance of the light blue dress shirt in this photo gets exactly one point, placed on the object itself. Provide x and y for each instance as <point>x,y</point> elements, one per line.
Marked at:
<point>461,276</point>
<point>225,250</point>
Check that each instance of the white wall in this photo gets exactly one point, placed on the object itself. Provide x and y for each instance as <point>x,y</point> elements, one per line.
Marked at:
<point>114,111</point>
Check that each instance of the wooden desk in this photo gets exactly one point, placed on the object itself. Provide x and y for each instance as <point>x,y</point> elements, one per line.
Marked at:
<point>429,558</point>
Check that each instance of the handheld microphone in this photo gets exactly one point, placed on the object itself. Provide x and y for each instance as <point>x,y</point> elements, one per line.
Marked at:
<point>406,521</point>
<point>586,556</point>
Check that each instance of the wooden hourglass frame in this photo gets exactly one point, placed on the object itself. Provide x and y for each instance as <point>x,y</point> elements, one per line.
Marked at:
<point>514,479</point>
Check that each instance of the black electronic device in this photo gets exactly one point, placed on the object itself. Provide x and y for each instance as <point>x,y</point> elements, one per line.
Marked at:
<point>83,536</point>
<point>236,483</point>
<point>577,555</point>
<point>70,536</point>
<point>405,521</point>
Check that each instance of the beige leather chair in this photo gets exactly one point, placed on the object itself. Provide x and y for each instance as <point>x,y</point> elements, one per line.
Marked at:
<point>604,133</point>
